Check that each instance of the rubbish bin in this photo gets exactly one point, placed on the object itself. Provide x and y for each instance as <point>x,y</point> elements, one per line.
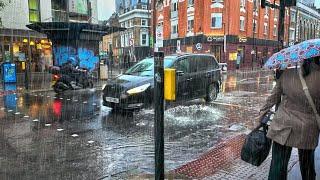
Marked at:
<point>9,73</point>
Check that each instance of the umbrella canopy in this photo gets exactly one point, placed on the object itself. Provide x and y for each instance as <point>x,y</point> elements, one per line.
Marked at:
<point>294,55</point>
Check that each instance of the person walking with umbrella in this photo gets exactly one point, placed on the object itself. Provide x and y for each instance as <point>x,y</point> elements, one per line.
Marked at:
<point>296,122</point>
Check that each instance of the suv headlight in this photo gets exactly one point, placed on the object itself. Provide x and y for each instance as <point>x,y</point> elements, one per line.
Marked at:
<point>139,89</point>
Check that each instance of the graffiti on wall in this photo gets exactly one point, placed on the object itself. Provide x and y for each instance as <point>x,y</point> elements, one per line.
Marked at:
<point>81,57</point>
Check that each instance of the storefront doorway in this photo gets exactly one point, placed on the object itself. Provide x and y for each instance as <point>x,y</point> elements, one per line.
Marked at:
<point>216,50</point>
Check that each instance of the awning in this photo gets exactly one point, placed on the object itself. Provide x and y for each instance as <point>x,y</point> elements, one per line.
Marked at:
<point>49,27</point>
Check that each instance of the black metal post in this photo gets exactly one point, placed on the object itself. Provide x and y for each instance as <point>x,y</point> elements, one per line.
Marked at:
<point>28,62</point>
<point>253,43</point>
<point>159,114</point>
<point>282,13</point>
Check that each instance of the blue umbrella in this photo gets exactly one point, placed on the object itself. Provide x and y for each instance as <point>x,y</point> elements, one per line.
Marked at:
<point>294,55</point>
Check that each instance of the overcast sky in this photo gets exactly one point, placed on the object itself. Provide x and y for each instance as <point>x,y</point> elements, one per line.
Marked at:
<point>105,9</point>
<point>317,3</point>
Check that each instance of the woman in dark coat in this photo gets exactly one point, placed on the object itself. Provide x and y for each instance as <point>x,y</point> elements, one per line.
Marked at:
<point>294,124</point>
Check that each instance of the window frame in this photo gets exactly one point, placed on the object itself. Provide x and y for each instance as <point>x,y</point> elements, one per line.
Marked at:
<point>216,15</point>
<point>36,11</point>
<point>242,22</point>
<point>146,22</point>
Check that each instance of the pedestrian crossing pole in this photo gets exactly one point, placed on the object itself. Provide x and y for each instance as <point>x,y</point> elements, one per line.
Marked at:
<point>158,101</point>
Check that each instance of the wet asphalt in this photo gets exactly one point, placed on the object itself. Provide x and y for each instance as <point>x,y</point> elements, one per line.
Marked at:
<point>72,136</point>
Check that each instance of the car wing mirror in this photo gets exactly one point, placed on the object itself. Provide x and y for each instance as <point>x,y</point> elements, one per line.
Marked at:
<point>180,73</point>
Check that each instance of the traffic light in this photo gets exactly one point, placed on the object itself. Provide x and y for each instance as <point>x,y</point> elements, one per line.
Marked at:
<point>290,3</point>
<point>263,4</point>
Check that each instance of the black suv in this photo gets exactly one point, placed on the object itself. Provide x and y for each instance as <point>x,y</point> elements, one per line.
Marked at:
<point>198,76</point>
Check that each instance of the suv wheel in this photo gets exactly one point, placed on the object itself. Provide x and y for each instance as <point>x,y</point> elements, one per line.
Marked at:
<point>212,92</point>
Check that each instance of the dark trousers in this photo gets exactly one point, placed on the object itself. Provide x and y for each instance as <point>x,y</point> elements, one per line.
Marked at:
<point>280,158</point>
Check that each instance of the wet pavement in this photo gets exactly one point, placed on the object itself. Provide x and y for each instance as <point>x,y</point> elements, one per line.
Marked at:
<point>72,136</point>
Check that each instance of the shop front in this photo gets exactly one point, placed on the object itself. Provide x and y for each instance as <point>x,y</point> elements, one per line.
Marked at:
<point>22,46</point>
<point>225,49</point>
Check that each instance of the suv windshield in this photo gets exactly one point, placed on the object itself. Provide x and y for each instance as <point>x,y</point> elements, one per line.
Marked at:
<point>146,67</point>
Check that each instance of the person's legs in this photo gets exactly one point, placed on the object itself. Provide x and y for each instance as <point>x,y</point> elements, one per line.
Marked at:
<point>306,159</point>
<point>279,163</point>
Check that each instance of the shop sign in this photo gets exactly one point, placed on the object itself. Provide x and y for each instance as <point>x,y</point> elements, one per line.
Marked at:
<point>159,36</point>
<point>243,39</point>
<point>198,46</point>
<point>215,38</point>
<point>78,6</point>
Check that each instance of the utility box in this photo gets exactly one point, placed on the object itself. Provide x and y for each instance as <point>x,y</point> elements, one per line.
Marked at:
<point>170,84</point>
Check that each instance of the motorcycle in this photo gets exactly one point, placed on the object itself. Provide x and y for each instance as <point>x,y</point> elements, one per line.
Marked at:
<point>70,78</point>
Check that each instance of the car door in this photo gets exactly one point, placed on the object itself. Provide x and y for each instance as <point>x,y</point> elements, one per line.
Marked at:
<point>199,80</point>
<point>182,67</point>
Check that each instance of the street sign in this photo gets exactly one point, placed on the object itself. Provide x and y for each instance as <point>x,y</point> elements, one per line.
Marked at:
<point>159,36</point>
<point>198,46</point>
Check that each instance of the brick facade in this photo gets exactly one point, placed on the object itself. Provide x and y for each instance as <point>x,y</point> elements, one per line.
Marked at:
<point>212,39</point>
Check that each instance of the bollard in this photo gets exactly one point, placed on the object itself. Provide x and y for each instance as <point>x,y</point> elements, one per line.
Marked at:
<point>159,114</point>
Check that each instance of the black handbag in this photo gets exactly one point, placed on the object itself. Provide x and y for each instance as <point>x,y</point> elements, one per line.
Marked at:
<point>257,146</point>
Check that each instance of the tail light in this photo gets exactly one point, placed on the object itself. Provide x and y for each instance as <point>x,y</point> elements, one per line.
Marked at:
<point>56,77</point>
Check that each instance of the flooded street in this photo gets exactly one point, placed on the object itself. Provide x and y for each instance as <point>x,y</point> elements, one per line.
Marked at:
<point>72,136</point>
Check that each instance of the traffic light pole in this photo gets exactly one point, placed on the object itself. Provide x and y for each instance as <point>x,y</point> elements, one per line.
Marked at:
<point>158,102</point>
<point>159,114</point>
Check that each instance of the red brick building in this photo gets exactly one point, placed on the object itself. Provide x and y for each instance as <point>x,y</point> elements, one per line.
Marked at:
<point>222,28</point>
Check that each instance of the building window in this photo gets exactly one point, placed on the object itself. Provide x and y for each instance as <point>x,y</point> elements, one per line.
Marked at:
<point>126,24</point>
<point>126,40</point>
<point>242,23</point>
<point>216,1</point>
<point>174,10</point>
<point>266,11</point>
<point>174,7</point>
<point>190,3</point>
<point>292,34</point>
<point>216,20</point>
<point>34,10</point>
<point>265,29</point>
<point>144,39</point>
<point>174,29</point>
<point>256,5</point>
<point>144,22</point>
<point>190,25</point>
<point>145,7</point>
<point>275,30</point>
<point>255,26</point>
<point>243,4</point>
<point>122,40</point>
<point>122,24</point>
<point>293,17</point>
<point>130,23</point>
<point>276,14</point>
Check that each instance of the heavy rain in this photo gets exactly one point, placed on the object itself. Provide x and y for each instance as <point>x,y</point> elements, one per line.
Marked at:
<point>166,89</point>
